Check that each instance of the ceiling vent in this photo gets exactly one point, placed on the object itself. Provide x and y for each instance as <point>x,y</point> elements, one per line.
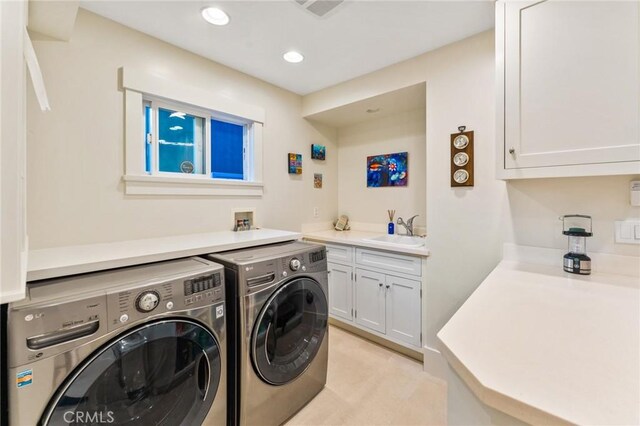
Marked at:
<point>319,7</point>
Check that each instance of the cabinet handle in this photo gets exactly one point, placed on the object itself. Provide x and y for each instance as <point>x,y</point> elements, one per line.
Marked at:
<point>379,284</point>
<point>512,151</point>
<point>328,272</point>
<point>388,286</point>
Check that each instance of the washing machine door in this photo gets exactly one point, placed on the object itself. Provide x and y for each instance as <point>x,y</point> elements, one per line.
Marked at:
<point>161,373</point>
<point>289,331</point>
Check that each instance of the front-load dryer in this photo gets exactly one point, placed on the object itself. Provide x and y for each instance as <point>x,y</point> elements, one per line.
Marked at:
<point>278,313</point>
<point>143,345</point>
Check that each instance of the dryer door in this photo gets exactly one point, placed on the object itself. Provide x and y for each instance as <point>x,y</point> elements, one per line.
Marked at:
<point>289,331</point>
<point>161,373</point>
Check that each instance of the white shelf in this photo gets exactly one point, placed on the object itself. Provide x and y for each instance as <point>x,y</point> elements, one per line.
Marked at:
<point>63,261</point>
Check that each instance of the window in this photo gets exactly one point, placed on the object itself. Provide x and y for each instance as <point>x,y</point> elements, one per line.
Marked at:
<point>193,143</point>
<point>183,140</point>
<point>227,150</point>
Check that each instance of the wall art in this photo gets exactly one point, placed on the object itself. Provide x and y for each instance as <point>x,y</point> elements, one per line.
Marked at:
<point>295,163</point>
<point>388,170</point>
<point>318,152</point>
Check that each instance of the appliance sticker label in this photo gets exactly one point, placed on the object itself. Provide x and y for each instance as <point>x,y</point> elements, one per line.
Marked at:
<point>219,311</point>
<point>24,378</point>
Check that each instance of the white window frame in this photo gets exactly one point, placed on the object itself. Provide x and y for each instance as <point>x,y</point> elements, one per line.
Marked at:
<point>141,88</point>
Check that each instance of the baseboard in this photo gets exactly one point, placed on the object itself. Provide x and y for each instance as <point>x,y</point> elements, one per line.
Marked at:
<point>417,355</point>
<point>434,363</point>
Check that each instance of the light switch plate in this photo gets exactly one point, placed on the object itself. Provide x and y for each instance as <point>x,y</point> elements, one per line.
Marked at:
<point>628,231</point>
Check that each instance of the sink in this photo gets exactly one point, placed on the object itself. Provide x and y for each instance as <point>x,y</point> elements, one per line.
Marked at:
<point>398,240</point>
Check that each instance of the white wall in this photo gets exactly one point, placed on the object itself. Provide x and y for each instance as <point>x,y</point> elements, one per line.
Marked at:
<point>467,226</point>
<point>400,132</point>
<point>76,151</point>
<point>537,204</point>
<point>464,225</point>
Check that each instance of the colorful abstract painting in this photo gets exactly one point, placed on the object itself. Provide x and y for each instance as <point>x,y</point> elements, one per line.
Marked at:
<point>317,180</point>
<point>388,170</point>
<point>318,152</point>
<point>295,163</point>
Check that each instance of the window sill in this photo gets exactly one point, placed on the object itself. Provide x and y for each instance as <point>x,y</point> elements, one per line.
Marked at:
<point>192,185</point>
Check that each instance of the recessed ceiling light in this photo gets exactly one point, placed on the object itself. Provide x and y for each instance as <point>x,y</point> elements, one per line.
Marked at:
<point>215,16</point>
<point>293,57</point>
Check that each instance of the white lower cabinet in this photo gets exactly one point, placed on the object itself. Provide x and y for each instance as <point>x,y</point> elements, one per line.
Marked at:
<point>371,304</point>
<point>340,291</point>
<point>403,309</point>
<point>375,297</point>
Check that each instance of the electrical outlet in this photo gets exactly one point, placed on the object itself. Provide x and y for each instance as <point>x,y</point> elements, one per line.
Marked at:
<point>628,231</point>
<point>316,212</point>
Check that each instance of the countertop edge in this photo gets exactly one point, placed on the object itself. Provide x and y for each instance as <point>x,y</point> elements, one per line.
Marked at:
<point>507,402</point>
<point>67,267</point>
<point>423,252</point>
<point>497,400</point>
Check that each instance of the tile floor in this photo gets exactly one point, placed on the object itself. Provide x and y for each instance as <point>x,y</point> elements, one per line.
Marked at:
<point>368,384</point>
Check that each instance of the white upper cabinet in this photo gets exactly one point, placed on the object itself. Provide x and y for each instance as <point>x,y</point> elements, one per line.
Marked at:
<point>13,241</point>
<point>568,82</point>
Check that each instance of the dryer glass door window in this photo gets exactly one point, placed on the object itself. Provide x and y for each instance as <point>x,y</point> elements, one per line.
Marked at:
<point>163,373</point>
<point>289,331</point>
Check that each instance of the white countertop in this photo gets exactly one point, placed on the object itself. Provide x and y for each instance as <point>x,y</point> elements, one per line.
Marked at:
<point>546,346</point>
<point>63,261</point>
<point>359,238</point>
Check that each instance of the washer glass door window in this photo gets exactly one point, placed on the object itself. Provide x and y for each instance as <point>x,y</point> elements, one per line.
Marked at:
<point>289,331</point>
<point>163,373</point>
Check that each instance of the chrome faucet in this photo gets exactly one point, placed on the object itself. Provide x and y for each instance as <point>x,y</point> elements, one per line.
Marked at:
<point>408,225</point>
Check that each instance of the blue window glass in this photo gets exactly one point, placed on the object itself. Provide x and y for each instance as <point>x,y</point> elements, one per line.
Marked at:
<point>227,150</point>
<point>147,138</point>
<point>180,142</point>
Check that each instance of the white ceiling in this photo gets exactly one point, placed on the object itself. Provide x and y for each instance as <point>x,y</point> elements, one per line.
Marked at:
<point>374,108</point>
<point>354,39</point>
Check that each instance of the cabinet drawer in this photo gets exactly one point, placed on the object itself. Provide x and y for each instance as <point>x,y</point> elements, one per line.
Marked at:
<point>389,262</point>
<point>342,254</point>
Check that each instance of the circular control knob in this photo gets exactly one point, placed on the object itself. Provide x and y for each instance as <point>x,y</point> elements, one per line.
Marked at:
<point>169,305</point>
<point>294,264</point>
<point>124,318</point>
<point>147,301</point>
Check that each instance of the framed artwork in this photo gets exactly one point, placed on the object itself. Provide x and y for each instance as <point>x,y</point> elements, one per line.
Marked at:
<point>388,170</point>
<point>295,163</point>
<point>317,180</point>
<point>318,152</point>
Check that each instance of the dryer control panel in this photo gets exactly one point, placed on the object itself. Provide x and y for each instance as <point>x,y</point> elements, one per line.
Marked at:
<point>307,261</point>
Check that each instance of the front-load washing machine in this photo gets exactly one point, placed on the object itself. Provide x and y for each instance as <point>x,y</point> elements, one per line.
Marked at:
<point>278,313</point>
<point>143,345</point>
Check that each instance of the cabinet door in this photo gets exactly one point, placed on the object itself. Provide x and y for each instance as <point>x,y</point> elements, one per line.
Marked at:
<point>340,291</point>
<point>13,242</point>
<point>571,82</point>
<point>370,300</point>
<point>403,309</point>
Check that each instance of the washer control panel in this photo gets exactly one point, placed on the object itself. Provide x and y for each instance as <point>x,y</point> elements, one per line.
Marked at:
<point>179,294</point>
<point>147,301</point>
<point>203,288</point>
<point>308,261</point>
<point>295,264</point>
